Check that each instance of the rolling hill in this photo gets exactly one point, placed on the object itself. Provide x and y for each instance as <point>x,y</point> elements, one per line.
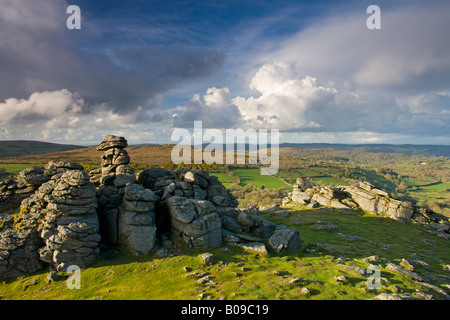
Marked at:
<point>16,148</point>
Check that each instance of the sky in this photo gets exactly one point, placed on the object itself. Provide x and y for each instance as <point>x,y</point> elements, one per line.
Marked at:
<point>140,69</point>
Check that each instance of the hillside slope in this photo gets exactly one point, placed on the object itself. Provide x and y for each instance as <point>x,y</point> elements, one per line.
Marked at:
<point>332,265</point>
<point>16,148</point>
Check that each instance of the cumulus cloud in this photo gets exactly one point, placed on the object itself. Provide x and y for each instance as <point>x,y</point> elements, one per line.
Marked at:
<point>285,99</point>
<point>60,116</point>
<point>291,102</point>
<point>215,110</point>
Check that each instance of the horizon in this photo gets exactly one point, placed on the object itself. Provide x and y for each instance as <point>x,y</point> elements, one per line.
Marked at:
<point>141,144</point>
<point>315,71</point>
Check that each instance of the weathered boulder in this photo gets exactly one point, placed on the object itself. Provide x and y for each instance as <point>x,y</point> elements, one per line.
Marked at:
<point>18,252</point>
<point>136,221</point>
<point>285,239</point>
<point>111,141</point>
<point>189,227</point>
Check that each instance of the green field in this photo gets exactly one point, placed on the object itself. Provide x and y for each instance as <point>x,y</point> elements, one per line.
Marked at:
<point>438,187</point>
<point>12,169</point>
<point>254,176</point>
<point>224,178</point>
<point>307,172</point>
<point>329,181</point>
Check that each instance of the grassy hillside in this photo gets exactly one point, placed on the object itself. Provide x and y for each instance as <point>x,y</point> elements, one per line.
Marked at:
<point>237,274</point>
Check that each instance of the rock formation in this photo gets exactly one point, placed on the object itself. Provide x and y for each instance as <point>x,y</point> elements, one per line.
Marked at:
<point>65,213</point>
<point>52,225</point>
<point>70,226</point>
<point>136,222</point>
<point>365,197</point>
<point>111,180</point>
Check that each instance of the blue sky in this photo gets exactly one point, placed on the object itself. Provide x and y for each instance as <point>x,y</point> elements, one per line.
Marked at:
<point>311,69</point>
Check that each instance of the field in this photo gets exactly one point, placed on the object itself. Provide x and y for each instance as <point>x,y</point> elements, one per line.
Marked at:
<point>254,176</point>
<point>237,274</point>
<point>12,169</point>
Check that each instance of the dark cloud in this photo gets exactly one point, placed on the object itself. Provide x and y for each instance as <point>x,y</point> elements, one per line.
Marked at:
<point>39,53</point>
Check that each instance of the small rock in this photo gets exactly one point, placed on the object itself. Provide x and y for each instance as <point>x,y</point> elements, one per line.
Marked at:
<point>204,279</point>
<point>32,282</point>
<point>423,295</point>
<point>397,289</point>
<point>342,279</point>
<point>187,269</point>
<point>394,296</point>
<point>295,282</point>
<point>304,292</point>
<point>403,271</point>
<point>52,276</point>
<point>407,265</point>
<point>206,258</point>
<point>196,275</point>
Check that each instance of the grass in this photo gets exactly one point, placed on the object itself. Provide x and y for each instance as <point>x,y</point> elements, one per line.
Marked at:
<point>307,172</point>
<point>224,178</point>
<point>15,168</point>
<point>254,176</point>
<point>12,169</point>
<point>237,274</point>
<point>329,181</point>
<point>415,182</point>
<point>438,187</point>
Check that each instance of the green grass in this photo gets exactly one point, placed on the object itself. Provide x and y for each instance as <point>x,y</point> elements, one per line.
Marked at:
<point>263,277</point>
<point>15,168</point>
<point>415,181</point>
<point>12,169</point>
<point>329,181</point>
<point>224,178</point>
<point>254,176</point>
<point>438,187</point>
<point>307,172</point>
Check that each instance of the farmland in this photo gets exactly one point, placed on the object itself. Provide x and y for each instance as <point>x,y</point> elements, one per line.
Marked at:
<point>419,178</point>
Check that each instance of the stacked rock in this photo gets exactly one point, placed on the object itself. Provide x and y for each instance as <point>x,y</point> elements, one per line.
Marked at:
<point>111,180</point>
<point>57,224</point>
<point>70,227</point>
<point>196,184</point>
<point>194,222</point>
<point>26,184</point>
<point>114,165</point>
<point>193,201</point>
<point>136,224</point>
<point>30,179</point>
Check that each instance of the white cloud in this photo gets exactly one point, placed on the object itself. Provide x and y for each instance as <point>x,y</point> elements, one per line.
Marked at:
<point>410,48</point>
<point>216,110</point>
<point>47,105</point>
<point>284,99</point>
<point>61,116</point>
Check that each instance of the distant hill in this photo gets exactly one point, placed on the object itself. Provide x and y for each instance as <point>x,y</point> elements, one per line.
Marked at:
<point>16,148</point>
<point>408,149</point>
